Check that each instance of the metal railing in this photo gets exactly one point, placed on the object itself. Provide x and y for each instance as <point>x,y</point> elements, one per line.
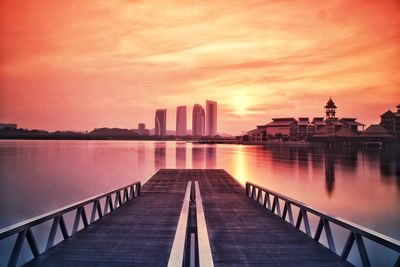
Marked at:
<point>357,233</point>
<point>24,228</point>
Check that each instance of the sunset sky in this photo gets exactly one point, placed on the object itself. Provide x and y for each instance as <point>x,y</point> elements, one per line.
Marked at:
<point>77,65</point>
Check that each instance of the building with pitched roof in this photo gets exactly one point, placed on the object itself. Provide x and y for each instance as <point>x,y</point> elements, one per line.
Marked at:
<point>304,129</point>
<point>391,121</point>
<point>287,127</point>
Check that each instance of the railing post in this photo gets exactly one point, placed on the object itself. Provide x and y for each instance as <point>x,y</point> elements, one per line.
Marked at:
<point>84,217</point>
<point>362,251</point>
<point>94,208</point>
<point>299,218</point>
<point>318,232</point>
<point>259,195</point>
<point>63,228</point>
<point>289,209</point>
<point>17,249</point>
<point>77,220</point>
<point>32,243</point>
<point>329,236</point>
<point>268,202</point>
<point>53,231</point>
<point>306,223</point>
<point>347,246</point>
<point>284,211</point>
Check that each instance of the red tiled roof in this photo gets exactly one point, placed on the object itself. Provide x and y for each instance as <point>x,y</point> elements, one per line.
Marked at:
<point>376,130</point>
<point>329,131</point>
<point>389,112</point>
<point>279,123</point>
<point>330,104</point>
<point>255,131</point>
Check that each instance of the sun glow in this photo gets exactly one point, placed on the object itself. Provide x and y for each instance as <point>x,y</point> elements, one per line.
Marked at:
<point>240,104</point>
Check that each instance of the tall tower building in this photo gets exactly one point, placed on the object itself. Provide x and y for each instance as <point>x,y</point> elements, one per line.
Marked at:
<point>198,120</point>
<point>160,121</point>
<point>330,108</point>
<point>141,129</point>
<point>181,126</point>
<point>211,117</point>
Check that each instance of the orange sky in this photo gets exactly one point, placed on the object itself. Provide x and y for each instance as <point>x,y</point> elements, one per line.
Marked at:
<point>84,64</point>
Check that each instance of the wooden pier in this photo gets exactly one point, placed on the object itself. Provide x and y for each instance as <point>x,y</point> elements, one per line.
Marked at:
<point>190,218</point>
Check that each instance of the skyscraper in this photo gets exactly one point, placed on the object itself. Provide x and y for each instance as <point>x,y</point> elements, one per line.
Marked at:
<point>160,121</point>
<point>198,120</point>
<point>141,129</point>
<point>211,117</point>
<point>181,128</point>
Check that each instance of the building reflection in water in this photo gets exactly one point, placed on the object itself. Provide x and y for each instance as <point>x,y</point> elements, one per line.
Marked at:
<point>302,161</point>
<point>329,173</point>
<point>159,155</point>
<point>348,159</point>
<point>180,156</point>
<point>211,157</point>
<point>317,161</point>
<point>198,157</point>
<point>141,155</point>
<point>390,166</point>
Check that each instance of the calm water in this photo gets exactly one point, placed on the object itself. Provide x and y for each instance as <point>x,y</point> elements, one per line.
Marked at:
<point>359,185</point>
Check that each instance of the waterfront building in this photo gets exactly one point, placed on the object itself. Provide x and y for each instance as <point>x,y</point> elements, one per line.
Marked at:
<point>391,121</point>
<point>259,134</point>
<point>330,109</point>
<point>181,125</point>
<point>375,134</point>
<point>304,129</point>
<point>198,120</point>
<point>142,129</point>
<point>160,121</point>
<point>303,125</point>
<point>285,127</point>
<point>318,122</point>
<point>8,125</point>
<point>330,133</point>
<point>211,118</point>
<point>352,124</point>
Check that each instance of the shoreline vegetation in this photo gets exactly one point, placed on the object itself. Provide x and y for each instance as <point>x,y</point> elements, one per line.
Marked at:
<point>127,135</point>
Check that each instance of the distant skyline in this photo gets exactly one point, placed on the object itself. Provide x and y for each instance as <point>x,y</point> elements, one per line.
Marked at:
<point>198,120</point>
<point>181,121</point>
<point>211,117</point>
<point>80,65</point>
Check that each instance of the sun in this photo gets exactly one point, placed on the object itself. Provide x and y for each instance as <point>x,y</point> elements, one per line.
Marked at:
<point>240,104</point>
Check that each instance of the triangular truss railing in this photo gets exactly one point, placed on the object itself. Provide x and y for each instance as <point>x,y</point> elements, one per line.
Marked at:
<point>356,235</point>
<point>23,230</point>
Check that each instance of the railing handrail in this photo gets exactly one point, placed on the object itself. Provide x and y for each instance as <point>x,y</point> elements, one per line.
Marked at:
<point>20,226</point>
<point>353,227</point>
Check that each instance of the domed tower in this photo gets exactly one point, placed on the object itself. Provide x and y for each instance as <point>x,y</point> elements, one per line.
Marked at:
<point>330,110</point>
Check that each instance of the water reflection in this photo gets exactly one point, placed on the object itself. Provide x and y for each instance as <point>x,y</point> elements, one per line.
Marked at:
<point>159,156</point>
<point>198,157</point>
<point>390,167</point>
<point>211,157</point>
<point>141,155</point>
<point>329,173</point>
<point>48,174</point>
<point>348,159</point>
<point>180,156</point>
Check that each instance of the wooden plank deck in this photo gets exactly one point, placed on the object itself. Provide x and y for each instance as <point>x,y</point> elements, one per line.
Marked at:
<point>141,233</point>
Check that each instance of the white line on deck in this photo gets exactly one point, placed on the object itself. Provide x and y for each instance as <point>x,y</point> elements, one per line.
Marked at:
<point>205,256</point>
<point>178,247</point>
